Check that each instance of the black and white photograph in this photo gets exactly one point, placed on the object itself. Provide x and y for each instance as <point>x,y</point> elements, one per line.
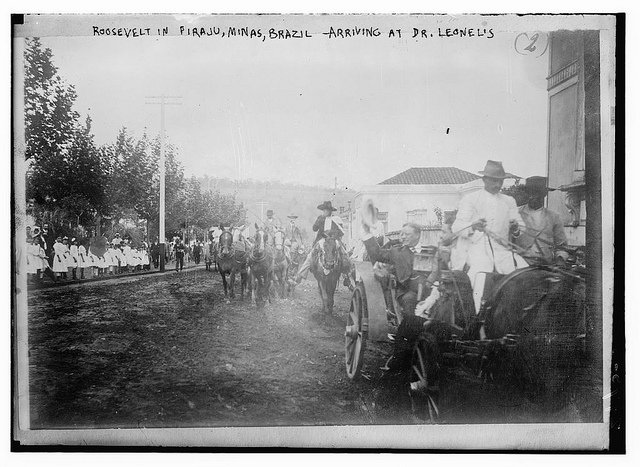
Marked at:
<point>315,231</point>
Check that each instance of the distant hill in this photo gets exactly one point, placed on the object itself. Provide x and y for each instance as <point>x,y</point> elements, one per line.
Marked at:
<point>282,198</point>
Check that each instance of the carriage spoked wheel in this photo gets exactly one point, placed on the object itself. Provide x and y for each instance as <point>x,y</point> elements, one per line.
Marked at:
<point>355,335</point>
<point>424,381</point>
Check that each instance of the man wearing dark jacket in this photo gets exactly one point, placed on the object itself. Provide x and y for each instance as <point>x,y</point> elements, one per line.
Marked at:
<point>400,256</point>
<point>326,225</point>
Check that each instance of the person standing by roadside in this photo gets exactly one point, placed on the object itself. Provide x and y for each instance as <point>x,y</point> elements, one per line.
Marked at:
<point>82,258</point>
<point>179,250</point>
<point>59,262</point>
<point>73,250</point>
<point>34,263</point>
<point>47,241</point>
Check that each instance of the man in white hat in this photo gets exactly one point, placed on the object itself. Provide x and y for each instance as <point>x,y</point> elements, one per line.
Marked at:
<point>544,231</point>
<point>489,220</point>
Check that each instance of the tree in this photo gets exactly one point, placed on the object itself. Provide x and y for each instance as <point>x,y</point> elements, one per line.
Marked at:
<point>65,176</point>
<point>50,120</point>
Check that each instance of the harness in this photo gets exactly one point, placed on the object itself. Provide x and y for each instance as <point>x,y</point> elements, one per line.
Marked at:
<point>230,254</point>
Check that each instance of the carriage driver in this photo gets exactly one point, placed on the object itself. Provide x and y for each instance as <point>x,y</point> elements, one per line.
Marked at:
<point>544,231</point>
<point>327,224</point>
<point>487,220</point>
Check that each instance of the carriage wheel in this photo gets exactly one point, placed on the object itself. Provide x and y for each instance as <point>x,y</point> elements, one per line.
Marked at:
<point>424,382</point>
<point>355,336</point>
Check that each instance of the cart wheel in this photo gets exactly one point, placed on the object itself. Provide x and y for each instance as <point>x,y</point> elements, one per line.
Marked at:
<point>355,335</point>
<point>424,382</point>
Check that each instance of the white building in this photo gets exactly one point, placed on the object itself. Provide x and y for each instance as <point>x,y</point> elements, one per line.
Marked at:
<point>416,195</point>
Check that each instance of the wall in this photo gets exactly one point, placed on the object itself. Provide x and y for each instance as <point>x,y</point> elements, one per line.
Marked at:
<point>396,200</point>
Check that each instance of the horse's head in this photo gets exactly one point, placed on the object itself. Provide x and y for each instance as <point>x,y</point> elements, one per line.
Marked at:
<point>329,252</point>
<point>260,240</point>
<point>225,243</point>
<point>278,240</point>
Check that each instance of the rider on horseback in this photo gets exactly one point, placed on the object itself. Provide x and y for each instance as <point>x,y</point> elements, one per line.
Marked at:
<point>327,225</point>
<point>271,224</point>
<point>293,232</point>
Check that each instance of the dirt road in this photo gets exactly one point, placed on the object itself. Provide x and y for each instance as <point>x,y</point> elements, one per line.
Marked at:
<point>170,351</point>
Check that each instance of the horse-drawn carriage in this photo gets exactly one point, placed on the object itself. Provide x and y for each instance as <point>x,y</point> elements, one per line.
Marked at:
<point>529,324</point>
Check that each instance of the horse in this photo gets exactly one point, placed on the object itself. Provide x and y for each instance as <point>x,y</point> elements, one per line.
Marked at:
<point>282,261</point>
<point>241,247</point>
<point>227,263</point>
<point>261,265</point>
<point>327,268</point>
<point>534,319</point>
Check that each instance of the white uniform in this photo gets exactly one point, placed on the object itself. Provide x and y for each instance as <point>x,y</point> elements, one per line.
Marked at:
<point>485,251</point>
<point>73,250</point>
<point>34,262</point>
<point>125,255</point>
<point>82,257</point>
<point>59,260</point>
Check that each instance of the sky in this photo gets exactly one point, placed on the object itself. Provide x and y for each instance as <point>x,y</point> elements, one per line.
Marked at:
<point>315,110</point>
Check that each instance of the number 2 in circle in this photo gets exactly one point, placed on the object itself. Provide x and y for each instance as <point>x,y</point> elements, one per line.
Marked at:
<point>532,47</point>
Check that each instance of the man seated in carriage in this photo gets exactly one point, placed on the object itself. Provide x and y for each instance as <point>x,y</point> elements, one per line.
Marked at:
<point>487,221</point>
<point>327,225</point>
<point>543,235</point>
<point>401,256</point>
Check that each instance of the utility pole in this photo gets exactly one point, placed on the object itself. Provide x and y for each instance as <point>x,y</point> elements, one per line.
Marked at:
<point>162,103</point>
<point>262,205</point>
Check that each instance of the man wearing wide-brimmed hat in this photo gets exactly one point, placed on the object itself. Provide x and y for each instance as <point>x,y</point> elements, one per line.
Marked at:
<point>544,230</point>
<point>326,225</point>
<point>489,220</point>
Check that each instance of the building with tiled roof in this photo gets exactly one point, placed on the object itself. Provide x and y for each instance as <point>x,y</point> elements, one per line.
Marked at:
<point>431,176</point>
<point>419,194</point>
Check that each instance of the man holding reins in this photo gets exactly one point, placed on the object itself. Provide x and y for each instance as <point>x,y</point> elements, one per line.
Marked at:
<point>488,220</point>
<point>327,225</point>
<point>544,232</point>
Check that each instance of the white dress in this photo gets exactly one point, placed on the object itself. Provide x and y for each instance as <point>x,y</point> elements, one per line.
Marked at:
<point>59,261</point>
<point>34,261</point>
<point>125,255</point>
<point>93,260</point>
<point>73,250</point>
<point>82,257</point>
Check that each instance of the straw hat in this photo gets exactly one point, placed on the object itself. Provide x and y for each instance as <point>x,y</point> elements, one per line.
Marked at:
<point>494,169</point>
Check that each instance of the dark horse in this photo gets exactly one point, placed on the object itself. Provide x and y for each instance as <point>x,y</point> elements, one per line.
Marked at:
<point>261,263</point>
<point>229,262</point>
<point>528,335</point>
<point>327,268</point>
<point>281,262</point>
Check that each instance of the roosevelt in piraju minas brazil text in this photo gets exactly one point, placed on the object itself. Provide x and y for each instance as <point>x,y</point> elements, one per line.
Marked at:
<point>272,33</point>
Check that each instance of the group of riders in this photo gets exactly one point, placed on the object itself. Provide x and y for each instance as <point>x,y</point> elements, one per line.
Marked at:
<point>286,242</point>
<point>488,234</point>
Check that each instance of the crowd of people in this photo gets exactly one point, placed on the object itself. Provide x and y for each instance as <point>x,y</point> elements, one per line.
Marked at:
<point>58,258</point>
